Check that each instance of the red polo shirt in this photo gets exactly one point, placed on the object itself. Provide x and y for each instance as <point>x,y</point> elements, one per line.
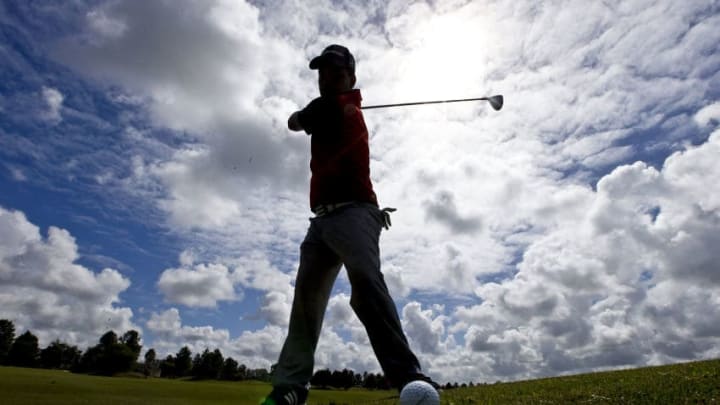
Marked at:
<point>340,161</point>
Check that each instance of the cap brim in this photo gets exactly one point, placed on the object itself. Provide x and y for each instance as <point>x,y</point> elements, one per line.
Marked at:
<point>315,62</point>
<point>326,59</point>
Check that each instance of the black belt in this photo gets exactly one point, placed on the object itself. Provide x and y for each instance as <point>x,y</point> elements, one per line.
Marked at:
<point>324,209</point>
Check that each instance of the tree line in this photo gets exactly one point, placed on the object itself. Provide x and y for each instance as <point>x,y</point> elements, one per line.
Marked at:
<point>119,354</point>
<point>116,354</point>
<point>113,353</point>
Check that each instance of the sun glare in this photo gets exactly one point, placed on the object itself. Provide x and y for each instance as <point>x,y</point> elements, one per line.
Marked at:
<point>448,59</point>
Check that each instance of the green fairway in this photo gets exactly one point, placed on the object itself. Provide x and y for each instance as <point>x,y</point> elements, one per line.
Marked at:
<point>697,383</point>
<point>689,383</point>
<point>35,386</point>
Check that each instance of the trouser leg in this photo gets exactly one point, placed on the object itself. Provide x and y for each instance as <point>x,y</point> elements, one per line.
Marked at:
<point>376,309</point>
<point>318,270</point>
<point>355,238</point>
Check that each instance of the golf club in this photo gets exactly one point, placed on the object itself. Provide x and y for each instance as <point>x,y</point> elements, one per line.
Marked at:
<point>496,102</point>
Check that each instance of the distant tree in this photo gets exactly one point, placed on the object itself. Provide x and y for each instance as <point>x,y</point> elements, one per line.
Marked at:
<point>273,367</point>
<point>150,356</point>
<point>122,355</point>
<point>51,356</point>
<point>7,336</point>
<point>183,362</point>
<point>229,370</point>
<point>336,379</point>
<point>383,383</point>
<point>216,361</point>
<point>151,366</point>
<point>60,355</point>
<point>348,379</point>
<point>321,378</point>
<point>344,379</point>
<point>376,382</point>
<point>242,372</point>
<point>116,359</point>
<point>24,351</point>
<point>209,365</point>
<point>167,367</point>
<point>89,360</point>
<point>369,381</point>
<point>110,356</point>
<point>259,374</point>
<point>131,339</point>
<point>108,339</point>
<point>196,361</point>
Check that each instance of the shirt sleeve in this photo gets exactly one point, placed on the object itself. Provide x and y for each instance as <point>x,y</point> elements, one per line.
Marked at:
<point>310,115</point>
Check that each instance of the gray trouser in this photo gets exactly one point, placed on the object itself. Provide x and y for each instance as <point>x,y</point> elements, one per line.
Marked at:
<point>348,236</point>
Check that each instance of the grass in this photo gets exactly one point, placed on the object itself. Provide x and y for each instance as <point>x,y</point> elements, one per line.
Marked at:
<point>36,386</point>
<point>688,383</point>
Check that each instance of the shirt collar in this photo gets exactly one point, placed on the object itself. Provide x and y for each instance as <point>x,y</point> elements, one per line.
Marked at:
<point>350,97</point>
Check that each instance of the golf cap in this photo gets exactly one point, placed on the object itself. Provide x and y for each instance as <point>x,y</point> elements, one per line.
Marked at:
<point>336,55</point>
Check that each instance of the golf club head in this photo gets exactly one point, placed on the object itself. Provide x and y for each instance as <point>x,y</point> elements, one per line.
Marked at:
<point>496,102</point>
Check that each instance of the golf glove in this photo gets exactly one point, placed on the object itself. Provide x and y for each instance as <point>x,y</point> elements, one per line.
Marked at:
<point>386,216</point>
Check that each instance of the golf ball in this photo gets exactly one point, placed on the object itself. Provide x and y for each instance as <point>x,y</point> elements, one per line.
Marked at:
<point>419,393</point>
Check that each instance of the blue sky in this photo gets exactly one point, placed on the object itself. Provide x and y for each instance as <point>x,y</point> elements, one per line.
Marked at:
<point>147,179</point>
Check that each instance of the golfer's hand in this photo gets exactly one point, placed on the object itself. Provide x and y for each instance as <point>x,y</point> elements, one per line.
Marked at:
<point>294,122</point>
<point>386,217</point>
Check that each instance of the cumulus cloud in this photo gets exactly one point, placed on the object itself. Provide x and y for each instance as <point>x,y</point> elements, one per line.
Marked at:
<point>257,348</point>
<point>423,330</point>
<point>276,308</point>
<point>256,271</point>
<point>44,290</point>
<point>254,349</point>
<point>603,291</point>
<point>443,209</point>
<point>205,285</point>
<point>708,114</point>
<point>200,286</point>
<point>232,95</point>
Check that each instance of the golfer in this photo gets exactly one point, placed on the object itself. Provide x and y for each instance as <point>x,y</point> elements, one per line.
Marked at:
<point>345,230</point>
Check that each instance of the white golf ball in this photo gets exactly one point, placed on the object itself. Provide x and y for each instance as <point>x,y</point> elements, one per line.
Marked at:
<point>419,393</point>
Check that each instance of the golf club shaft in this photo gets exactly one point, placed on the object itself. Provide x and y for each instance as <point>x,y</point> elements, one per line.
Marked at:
<point>427,102</point>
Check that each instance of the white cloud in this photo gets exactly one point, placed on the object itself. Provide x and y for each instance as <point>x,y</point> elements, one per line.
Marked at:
<point>200,286</point>
<point>601,289</point>
<point>276,308</point>
<point>256,271</point>
<point>443,209</point>
<point>104,26</point>
<point>44,290</point>
<point>339,312</point>
<point>205,285</point>
<point>708,114</point>
<point>254,349</point>
<point>208,70</point>
<point>18,174</point>
<point>423,330</point>
<point>54,100</point>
